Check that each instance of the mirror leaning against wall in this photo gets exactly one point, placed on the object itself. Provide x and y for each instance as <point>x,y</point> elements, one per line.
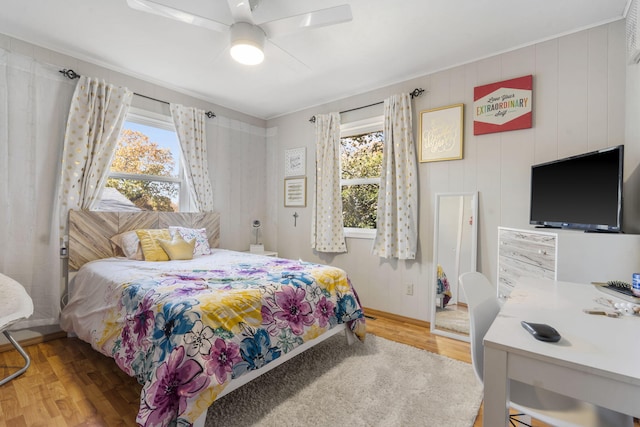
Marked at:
<point>454,252</point>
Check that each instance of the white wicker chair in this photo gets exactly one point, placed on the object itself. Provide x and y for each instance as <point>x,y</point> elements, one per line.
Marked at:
<point>15,305</point>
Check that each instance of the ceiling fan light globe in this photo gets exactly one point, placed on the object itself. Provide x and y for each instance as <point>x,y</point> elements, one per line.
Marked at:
<point>247,42</point>
<point>247,54</point>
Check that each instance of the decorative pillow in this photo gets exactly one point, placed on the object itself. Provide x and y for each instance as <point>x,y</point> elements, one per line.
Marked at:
<point>200,234</point>
<point>178,248</point>
<point>149,241</point>
<point>127,244</point>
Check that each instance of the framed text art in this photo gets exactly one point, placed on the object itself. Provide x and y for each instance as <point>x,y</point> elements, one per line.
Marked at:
<point>295,192</point>
<point>295,162</point>
<point>503,106</point>
<point>441,133</point>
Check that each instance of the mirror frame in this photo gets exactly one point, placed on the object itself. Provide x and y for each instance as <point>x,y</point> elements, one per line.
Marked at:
<point>434,275</point>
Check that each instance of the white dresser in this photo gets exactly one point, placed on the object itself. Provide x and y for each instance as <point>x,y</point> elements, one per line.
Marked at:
<point>524,253</point>
<point>567,255</point>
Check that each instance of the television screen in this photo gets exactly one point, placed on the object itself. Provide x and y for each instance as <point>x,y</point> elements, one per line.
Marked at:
<point>583,192</point>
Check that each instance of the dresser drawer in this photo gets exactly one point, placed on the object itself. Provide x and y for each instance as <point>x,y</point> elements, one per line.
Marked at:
<point>512,269</point>
<point>537,249</point>
<point>524,253</point>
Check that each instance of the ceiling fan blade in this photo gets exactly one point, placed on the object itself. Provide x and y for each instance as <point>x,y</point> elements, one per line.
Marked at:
<point>282,56</point>
<point>177,14</point>
<point>241,10</point>
<point>319,18</point>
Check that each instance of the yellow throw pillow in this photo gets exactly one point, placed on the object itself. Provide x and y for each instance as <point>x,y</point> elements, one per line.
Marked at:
<point>178,248</point>
<point>149,241</point>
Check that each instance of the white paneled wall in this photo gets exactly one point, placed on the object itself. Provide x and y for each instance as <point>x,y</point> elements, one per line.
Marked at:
<point>632,148</point>
<point>578,106</point>
<point>237,162</point>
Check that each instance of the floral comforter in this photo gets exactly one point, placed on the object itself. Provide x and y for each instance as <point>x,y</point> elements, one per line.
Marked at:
<point>185,329</point>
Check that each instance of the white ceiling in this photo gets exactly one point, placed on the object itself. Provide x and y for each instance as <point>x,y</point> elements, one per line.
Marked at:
<point>388,41</point>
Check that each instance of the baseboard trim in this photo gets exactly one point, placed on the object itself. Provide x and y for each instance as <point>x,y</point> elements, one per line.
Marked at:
<point>34,340</point>
<point>377,313</point>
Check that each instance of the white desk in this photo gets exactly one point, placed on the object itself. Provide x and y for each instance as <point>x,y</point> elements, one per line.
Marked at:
<point>597,360</point>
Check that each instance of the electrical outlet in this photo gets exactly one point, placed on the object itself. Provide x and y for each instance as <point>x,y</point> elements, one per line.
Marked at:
<point>409,289</point>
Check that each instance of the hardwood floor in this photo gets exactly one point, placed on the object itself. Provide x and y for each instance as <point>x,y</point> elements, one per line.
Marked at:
<point>67,384</point>
<point>70,384</point>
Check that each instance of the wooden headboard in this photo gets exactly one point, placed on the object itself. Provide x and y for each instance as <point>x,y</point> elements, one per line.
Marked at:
<point>90,231</point>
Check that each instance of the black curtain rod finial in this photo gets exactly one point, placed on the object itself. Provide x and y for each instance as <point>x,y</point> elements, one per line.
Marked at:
<point>416,92</point>
<point>70,74</point>
<point>210,114</point>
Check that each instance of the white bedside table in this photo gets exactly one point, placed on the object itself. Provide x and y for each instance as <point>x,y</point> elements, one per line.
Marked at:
<point>265,253</point>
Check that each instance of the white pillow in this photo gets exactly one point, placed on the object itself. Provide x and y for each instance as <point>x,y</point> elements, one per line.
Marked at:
<point>199,234</point>
<point>129,244</point>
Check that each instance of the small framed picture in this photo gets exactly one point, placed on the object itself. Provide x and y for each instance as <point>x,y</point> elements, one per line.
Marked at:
<point>295,192</point>
<point>295,162</point>
<point>441,133</point>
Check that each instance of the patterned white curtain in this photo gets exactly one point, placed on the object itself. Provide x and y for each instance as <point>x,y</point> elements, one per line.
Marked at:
<point>97,112</point>
<point>327,232</point>
<point>190,125</point>
<point>34,100</point>
<point>397,234</point>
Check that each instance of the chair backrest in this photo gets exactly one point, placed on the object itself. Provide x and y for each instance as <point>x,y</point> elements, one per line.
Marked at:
<point>15,305</point>
<point>483,309</point>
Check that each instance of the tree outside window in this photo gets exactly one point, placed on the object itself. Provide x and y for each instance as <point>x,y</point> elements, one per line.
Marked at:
<point>145,172</point>
<point>361,166</point>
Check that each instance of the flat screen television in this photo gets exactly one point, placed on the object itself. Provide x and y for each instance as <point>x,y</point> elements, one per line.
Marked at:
<point>580,192</point>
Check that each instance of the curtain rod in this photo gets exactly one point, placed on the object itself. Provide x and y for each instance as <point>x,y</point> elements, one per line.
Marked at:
<point>414,94</point>
<point>70,74</point>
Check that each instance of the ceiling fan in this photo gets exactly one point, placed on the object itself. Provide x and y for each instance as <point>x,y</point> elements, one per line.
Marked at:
<point>247,37</point>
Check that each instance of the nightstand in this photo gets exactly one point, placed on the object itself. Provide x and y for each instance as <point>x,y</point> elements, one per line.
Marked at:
<point>265,253</point>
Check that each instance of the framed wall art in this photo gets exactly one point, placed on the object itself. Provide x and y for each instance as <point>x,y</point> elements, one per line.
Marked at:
<point>441,133</point>
<point>503,106</point>
<point>295,192</point>
<point>295,162</point>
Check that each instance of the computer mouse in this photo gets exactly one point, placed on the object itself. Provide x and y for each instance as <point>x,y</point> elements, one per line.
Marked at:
<point>541,331</point>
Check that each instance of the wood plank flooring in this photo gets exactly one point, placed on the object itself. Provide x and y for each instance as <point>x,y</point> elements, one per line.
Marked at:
<point>67,384</point>
<point>70,384</point>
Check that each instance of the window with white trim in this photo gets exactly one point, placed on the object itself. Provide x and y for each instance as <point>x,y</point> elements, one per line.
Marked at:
<point>146,171</point>
<point>361,145</point>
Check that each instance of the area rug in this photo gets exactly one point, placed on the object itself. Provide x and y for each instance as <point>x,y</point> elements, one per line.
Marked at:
<point>375,383</point>
<point>453,320</point>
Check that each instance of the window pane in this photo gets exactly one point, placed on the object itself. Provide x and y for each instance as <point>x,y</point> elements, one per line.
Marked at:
<point>141,194</point>
<point>146,150</point>
<point>359,204</point>
<point>361,156</point>
<point>148,147</point>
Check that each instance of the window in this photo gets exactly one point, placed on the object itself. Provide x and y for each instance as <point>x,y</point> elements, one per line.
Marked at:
<point>361,145</point>
<point>146,171</point>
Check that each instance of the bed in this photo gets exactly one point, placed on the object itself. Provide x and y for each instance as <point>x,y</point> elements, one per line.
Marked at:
<point>192,330</point>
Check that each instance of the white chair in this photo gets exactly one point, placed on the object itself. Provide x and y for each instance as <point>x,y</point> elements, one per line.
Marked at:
<point>15,305</point>
<point>544,405</point>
